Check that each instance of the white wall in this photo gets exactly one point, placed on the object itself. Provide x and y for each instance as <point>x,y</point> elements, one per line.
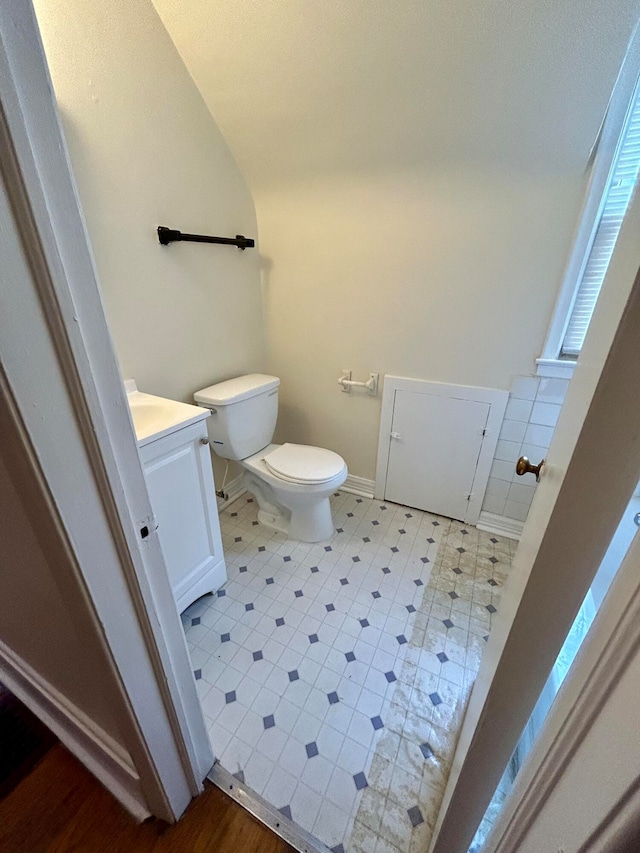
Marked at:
<point>420,274</point>
<point>417,169</point>
<point>145,152</point>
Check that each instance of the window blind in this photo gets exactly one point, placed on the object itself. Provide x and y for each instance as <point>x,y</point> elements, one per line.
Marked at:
<point>619,189</point>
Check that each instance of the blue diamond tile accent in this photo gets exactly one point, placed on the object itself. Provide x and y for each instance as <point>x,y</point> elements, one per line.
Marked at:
<point>358,500</point>
<point>248,607</point>
<point>390,676</point>
<point>442,657</point>
<point>491,608</point>
<point>339,530</point>
<point>269,581</point>
<point>375,523</point>
<point>377,723</point>
<point>197,674</point>
<point>486,638</point>
<point>195,620</point>
<point>261,549</point>
<point>328,548</point>
<point>395,550</point>
<point>332,697</point>
<point>249,500</point>
<point>239,776</point>
<point>339,848</point>
<point>461,550</point>
<point>298,593</point>
<point>313,638</point>
<point>453,595</point>
<point>457,570</point>
<point>464,532</point>
<point>383,508</point>
<point>230,697</point>
<point>287,559</point>
<point>424,560</point>
<point>279,622</point>
<point>375,594</point>
<point>356,559</point>
<point>410,608</point>
<point>418,582</point>
<point>238,539</point>
<point>293,675</point>
<point>447,623</point>
<point>350,657</point>
<point>401,639</point>
<point>435,699</point>
<point>242,569</point>
<point>349,515</point>
<point>268,722</point>
<point>257,656</point>
<point>364,623</point>
<point>493,560</point>
<point>329,608</point>
<point>415,816</point>
<point>436,523</point>
<point>360,781</point>
<point>344,581</point>
<point>386,570</point>
<point>366,539</point>
<point>312,749</point>
<point>221,593</point>
<point>314,570</point>
<point>224,638</point>
<point>426,750</point>
<point>494,540</point>
<point>233,514</point>
<point>286,811</point>
<point>402,531</point>
<point>492,582</point>
<point>254,523</point>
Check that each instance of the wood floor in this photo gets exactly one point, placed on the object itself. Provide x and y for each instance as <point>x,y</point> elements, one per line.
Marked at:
<point>60,807</point>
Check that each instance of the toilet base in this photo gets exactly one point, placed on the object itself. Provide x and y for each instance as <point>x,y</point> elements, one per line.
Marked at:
<point>309,519</point>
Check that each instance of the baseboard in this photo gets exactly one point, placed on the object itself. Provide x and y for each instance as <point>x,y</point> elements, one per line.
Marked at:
<point>233,491</point>
<point>359,486</point>
<point>500,525</point>
<point>92,746</point>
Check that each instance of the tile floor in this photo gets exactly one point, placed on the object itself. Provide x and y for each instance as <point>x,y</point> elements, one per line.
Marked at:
<point>334,676</point>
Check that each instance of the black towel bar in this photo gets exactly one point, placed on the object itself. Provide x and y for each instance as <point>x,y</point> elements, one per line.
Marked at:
<point>170,235</point>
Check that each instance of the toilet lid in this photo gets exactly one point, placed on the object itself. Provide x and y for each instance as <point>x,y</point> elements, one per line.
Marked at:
<point>300,463</point>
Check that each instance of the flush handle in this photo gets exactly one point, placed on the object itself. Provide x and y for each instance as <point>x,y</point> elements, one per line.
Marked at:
<point>396,436</point>
<point>204,441</point>
<point>523,466</point>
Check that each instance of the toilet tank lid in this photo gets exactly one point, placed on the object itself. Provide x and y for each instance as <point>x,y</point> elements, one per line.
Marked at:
<point>234,390</point>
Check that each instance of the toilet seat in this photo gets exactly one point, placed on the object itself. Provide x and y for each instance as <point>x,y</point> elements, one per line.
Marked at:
<point>300,463</point>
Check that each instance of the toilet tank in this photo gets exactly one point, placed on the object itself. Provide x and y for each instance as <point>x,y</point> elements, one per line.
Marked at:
<point>244,412</point>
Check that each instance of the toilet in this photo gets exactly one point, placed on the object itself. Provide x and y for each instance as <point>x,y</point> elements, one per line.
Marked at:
<point>292,483</point>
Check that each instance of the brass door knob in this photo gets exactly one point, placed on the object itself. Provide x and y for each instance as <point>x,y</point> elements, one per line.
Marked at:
<point>523,466</point>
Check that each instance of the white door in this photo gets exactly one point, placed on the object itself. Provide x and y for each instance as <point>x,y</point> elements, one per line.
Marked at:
<point>437,444</point>
<point>435,447</point>
<point>591,471</point>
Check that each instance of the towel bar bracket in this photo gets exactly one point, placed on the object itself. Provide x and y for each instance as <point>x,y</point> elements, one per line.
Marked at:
<point>171,235</point>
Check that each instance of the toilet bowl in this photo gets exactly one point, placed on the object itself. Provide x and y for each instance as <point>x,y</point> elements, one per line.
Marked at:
<point>288,501</point>
<point>292,483</point>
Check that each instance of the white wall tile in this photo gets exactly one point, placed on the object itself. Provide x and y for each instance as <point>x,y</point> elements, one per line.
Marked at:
<point>518,410</point>
<point>498,488</point>
<point>516,510</point>
<point>502,470</point>
<point>552,391</point>
<point>512,430</point>
<point>494,504</point>
<point>524,387</point>
<point>545,414</point>
<point>522,492</point>
<point>539,435</point>
<point>508,451</point>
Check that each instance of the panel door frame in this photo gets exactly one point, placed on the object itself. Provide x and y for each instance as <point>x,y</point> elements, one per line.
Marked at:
<point>497,400</point>
<point>115,569</point>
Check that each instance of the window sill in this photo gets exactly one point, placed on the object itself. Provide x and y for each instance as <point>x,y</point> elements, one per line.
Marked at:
<point>555,368</point>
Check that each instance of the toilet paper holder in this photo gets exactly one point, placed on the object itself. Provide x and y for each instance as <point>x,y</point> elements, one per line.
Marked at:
<point>348,383</point>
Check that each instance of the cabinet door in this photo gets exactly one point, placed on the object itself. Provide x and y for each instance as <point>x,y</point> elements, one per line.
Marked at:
<point>180,482</point>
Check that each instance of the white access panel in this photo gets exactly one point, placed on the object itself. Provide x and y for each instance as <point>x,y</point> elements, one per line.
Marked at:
<point>437,444</point>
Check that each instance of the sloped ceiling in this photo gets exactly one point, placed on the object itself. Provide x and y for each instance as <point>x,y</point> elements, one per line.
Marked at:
<point>301,88</point>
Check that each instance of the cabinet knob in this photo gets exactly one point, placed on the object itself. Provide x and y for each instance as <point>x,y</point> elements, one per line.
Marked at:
<point>204,441</point>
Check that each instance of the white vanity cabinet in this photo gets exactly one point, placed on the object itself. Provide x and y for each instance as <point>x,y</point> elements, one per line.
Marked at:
<point>179,477</point>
